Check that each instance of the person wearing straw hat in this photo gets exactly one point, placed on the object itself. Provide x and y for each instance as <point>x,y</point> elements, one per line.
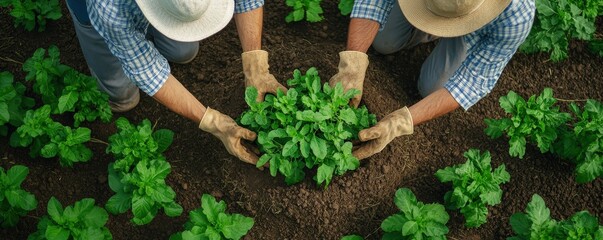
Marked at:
<point>127,45</point>
<point>476,40</point>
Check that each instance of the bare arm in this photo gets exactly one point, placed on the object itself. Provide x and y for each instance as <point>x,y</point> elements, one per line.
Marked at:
<point>434,105</point>
<point>178,99</point>
<point>361,33</point>
<point>249,27</point>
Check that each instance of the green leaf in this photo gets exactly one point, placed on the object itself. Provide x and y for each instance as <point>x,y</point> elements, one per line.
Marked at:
<point>517,147</point>
<point>319,147</point>
<point>393,223</point>
<point>348,116</point>
<point>211,208</point>
<point>119,203</point>
<point>324,174</point>
<point>172,209</point>
<point>410,228</point>
<point>56,233</point>
<point>164,139</point>
<point>520,224</point>
<point>405,199</point>
<point>4,114</point>
<point>55,210</point>
<point>16,175</point>
<point>237,227</point>
<point>67,102</point>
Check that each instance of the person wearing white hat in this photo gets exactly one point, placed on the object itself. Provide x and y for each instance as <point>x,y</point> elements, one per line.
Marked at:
<point>127,45</point>
<point>476,40</point>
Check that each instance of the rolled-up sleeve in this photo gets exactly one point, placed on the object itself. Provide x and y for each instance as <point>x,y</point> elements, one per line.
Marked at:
<point>376,10</point>
<point>242,6</point>
<point>123,28</point>
<point>487,58</point>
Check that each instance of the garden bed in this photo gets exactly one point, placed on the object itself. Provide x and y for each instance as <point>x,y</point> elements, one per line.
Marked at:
<point>355,203</point>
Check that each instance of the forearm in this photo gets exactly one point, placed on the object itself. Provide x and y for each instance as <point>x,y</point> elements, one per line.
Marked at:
<point>433,106</point>
<point>361,33</point>
<point>177,98</point>
<point>249,28</point>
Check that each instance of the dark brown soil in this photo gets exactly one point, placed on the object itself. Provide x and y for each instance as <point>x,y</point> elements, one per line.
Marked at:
<point>355,203</point>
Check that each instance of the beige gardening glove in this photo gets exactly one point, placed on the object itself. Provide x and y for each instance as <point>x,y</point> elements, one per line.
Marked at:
<point>375,139</point>
<point>255,68</point>
<point>231,134</point>
<point>352,68</point>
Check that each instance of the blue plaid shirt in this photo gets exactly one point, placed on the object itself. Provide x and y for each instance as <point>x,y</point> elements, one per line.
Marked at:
<point>123,26</point>
<point>489,49</point>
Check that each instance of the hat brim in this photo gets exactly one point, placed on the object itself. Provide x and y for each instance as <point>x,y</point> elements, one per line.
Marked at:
<point>217,16</point>
<point>422,18</point>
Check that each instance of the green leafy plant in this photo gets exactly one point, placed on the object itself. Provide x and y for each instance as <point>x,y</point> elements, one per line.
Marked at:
<point>416,220</point>
<point>309,126</point>
<point>580,226</point>
<point>65,89</point>
<point>536,119</point>
<point>14,201</point>
<point>49,139</point>
<point>310,9</point>
<point>212,222</point>
<point>83,220</point>
<point>138,174</point>
<point>535,223</point>
<point>32,13</point>
<point>583,143</point>
<point>475,186</point>
<point>559,21</point>
<point>13,104</point>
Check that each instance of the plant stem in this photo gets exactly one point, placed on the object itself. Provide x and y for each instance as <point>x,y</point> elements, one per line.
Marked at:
<point>6,59</point>
<point>96,140</point>
<point>570,100</point>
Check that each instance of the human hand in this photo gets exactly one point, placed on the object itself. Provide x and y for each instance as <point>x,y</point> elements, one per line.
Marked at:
<point>255,68</point>
<point>374,139</point>
<point>351,72</point>
<point>231,135</point>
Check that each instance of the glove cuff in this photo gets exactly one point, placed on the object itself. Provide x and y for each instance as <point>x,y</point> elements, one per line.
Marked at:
<point>353,61</point>
<point>405,124</point>
<point>255,62</point>
<point>207,119</point>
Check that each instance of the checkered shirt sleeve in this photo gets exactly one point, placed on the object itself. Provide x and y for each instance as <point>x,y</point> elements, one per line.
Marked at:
<point>489,50</point>
<point>376,10</point>
<point>242,6</point>
<point>123,26</point>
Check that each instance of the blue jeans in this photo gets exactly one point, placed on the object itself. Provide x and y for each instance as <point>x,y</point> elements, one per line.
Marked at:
<point>444,60</point>
<point>123,93</point>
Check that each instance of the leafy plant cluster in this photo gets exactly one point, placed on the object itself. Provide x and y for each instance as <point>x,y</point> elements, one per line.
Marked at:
<point>312,11</point>
<point>415,220</point>
<point>474,186</point>
<point>138,174</point>
<point>14,201</point>
<point>32,13</point>
<point>212,222</point>
<point>65,89</point>
<point>577,137</point>
<point>536,223</point>
<point>50,139</point>
<point>309,126</point>
<point>83,220</point>
<point>559,21</point>
<point>13,102</point>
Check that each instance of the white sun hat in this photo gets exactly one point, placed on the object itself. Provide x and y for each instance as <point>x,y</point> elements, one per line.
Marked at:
<point>187,20</point>
<point>451,18</point>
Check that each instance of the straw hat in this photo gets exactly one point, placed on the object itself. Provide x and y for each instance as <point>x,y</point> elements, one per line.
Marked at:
<point>451,18</point>
<point>187,20</point>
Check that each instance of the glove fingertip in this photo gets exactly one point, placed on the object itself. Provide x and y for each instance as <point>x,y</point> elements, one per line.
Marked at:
<point>369,134</point>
